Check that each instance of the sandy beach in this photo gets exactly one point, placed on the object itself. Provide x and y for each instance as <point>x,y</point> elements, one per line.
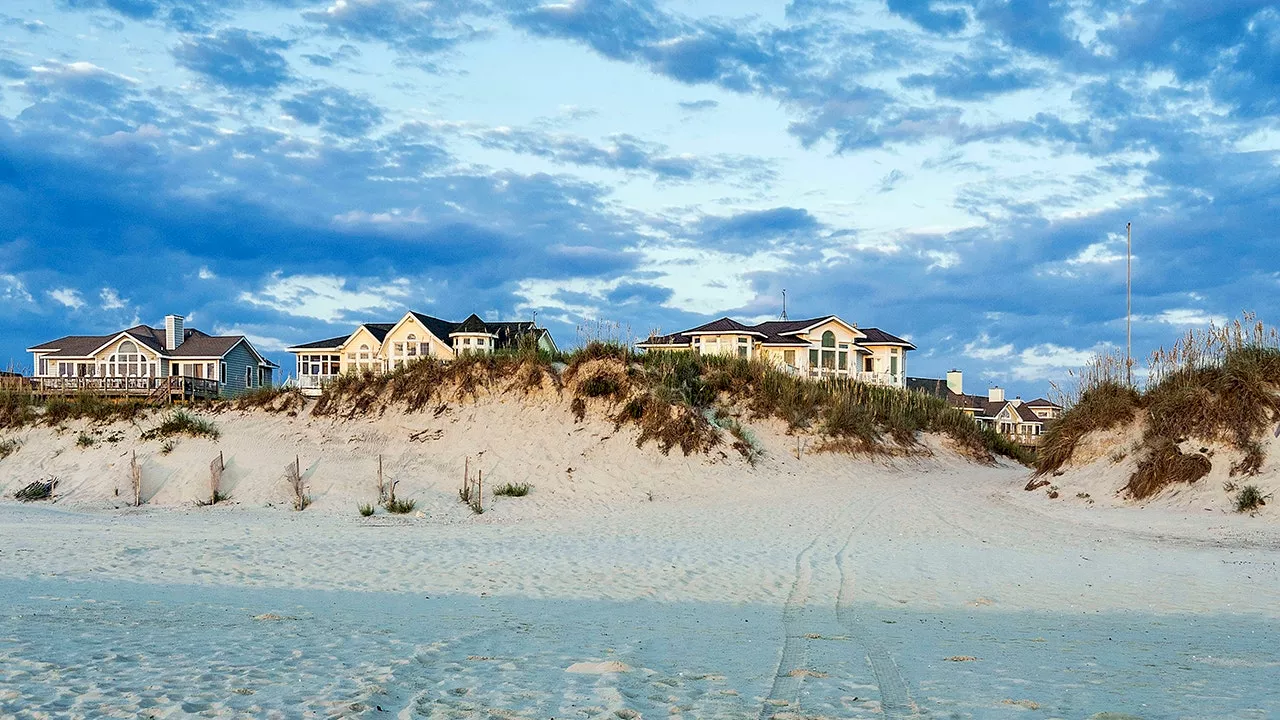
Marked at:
<point>636,585</point>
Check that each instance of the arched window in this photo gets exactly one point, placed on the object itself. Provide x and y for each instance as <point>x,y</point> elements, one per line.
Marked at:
<point>828,339</point>
<point>127,347</point>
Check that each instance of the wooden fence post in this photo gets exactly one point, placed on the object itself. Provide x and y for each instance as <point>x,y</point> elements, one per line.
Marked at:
<point>135,472</point>
<point>215,477</point>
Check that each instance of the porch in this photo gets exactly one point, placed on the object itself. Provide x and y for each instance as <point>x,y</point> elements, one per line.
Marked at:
<point>313,385</point>
<point>166,389</point>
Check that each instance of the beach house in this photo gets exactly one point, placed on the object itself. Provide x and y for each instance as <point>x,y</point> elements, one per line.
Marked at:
<point>817,347</point>
<point>1022,422</point>
<point>172,362</point>
<point>380,347</point>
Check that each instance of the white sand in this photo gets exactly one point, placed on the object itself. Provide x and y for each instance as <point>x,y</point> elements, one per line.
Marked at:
<point>828,556</point>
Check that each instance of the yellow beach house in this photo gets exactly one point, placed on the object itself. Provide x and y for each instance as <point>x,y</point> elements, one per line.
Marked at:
<point>381,347</point>
<point>818,347</point>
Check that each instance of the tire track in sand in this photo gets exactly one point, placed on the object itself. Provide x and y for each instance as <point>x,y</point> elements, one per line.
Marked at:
<point>827,553</point>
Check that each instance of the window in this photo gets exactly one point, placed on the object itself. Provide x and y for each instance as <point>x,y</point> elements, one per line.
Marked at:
<point>813,358</point>
<point>844,360</point>
<point>364,354</point>
<point>222,374</point>
<point>424,349</point>
<point>399,349</point>
<point>248,377</point>
<point>413,345</point>
<point>127,347</point>
<point>743,350</point>
<point>466,341</point>
<point>789,357</point>
<point>44,366</point>
<point>869,364</point>
<point>893,365</point>
<point>828,339</point>
<point>175,369</point>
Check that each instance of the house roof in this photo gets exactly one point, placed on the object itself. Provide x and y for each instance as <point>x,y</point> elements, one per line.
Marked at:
<point>473,324</point>
<point>436,326</point>
<point>723,325</point>
<point>1027,415</point>
<point>938,388</point>
<point>876,336</point>
<point>773,331</point>
<point>1042,403</point>
<point>194,344</point>
<point>330,344</point>
<point>678,339</point>
<point>378,330</point>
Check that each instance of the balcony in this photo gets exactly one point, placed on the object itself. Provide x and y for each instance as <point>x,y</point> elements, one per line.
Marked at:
<point>313,385</point>
<point>159,388</point>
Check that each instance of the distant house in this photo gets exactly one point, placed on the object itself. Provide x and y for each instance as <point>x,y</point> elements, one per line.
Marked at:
<point>380,347</point>
<point>1022,422</point>
<point>170,362</point>
<point>817,347</point>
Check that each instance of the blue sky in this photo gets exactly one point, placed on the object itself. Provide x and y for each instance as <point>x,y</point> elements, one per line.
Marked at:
<point>957,172</point>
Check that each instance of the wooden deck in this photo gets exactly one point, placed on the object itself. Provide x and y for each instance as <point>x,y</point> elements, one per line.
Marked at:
<point>163,389</point>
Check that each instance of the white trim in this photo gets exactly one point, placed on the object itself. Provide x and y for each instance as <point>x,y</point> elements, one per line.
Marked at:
<point>856,332</point>
<point>724,332</point>
<point>407,316</point>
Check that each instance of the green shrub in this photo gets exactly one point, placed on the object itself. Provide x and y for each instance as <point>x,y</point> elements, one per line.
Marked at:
<point>180,422</point>
<point>366,510</point>
<point>1249,498</point>
<point>512,490</point>
<point>218,496</point>
<point>85,440</point>
<point>400,507</point>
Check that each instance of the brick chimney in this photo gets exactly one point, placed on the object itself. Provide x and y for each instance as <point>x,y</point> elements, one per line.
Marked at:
<point>173,331</point>
<point>955,381</point>
<point>995,394</point>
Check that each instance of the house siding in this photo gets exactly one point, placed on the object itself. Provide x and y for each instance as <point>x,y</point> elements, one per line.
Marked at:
<point>238,359</point>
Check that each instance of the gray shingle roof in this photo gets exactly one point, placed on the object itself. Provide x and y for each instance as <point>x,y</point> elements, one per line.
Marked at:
<point>195,343</point>
<point>876,336</point>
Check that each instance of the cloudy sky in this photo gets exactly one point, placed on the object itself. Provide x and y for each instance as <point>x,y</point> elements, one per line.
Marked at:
<point>956,172</point>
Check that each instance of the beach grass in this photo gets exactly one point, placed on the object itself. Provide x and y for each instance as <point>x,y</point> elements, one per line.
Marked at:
<point>1216,385</point>
<point>181,422</point>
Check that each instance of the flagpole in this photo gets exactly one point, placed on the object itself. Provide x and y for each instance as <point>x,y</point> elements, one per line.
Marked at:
<point>1128,315</point>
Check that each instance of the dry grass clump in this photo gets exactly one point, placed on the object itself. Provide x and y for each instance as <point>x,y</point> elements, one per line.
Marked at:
<point>17,408</point>
<point>1163,465</point>
<point>1221,384</point>
<point>8,446</point>
<point>420,384</point>
<point>1103,406</point>
<point>180,422</point>
<point>1249,499</point>
<point>271,399</point>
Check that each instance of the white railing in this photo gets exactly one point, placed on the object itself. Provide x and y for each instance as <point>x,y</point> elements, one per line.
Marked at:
<point>871,378</point>
<point>314,382</point>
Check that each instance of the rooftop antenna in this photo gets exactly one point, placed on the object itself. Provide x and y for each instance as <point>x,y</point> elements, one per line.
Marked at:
<point>1128,316</point>
<point>784,304</point>
<point>535,318</point>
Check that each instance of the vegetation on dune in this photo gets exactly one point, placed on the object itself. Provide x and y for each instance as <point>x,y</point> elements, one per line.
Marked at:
<point>271,399</point>
<point>1249,498</point>
<point>19,408</point>
<point>1218,385</point>
<point>180,422</point>
<point>8,447</point>
<point>675,400</point>
<point>512,490</point>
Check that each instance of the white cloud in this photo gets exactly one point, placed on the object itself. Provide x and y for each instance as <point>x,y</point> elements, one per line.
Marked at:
<point>262,343</point>
<point>1186,317</point>
<point>111,299</point>
<point>327,297</point>
<point>206,274</point>
<point>1049,361</point>
<point>982,349</point>
<point>68,297</point>
<point>1100,253</point>
<point>14,291</point>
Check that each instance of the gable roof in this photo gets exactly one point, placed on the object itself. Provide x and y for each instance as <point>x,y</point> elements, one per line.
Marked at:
<point>473,324</point>
<point>723,325</point>
<point>436,326</point>
<point>194,343</point>
<point>876,336</point>
<point>330,344</point>
<point>1042,403</point>
<point>1027,415</point>
<point>676,339</point>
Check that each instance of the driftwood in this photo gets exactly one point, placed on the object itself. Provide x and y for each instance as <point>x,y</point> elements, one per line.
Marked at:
<point>135,477</point>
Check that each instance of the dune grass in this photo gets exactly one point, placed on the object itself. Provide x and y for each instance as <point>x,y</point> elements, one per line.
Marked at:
<point>180,422</point>
<point>673,398</point>
<point>8,446</point>
<point>1221,384</point>
<point>272,399</point>
<point>397,506</point>
<point>512,490</point>
<point>1249,498</point>
<point>19,408</point>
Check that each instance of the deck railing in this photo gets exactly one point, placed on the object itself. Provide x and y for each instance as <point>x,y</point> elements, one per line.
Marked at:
<point>186,387</point>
